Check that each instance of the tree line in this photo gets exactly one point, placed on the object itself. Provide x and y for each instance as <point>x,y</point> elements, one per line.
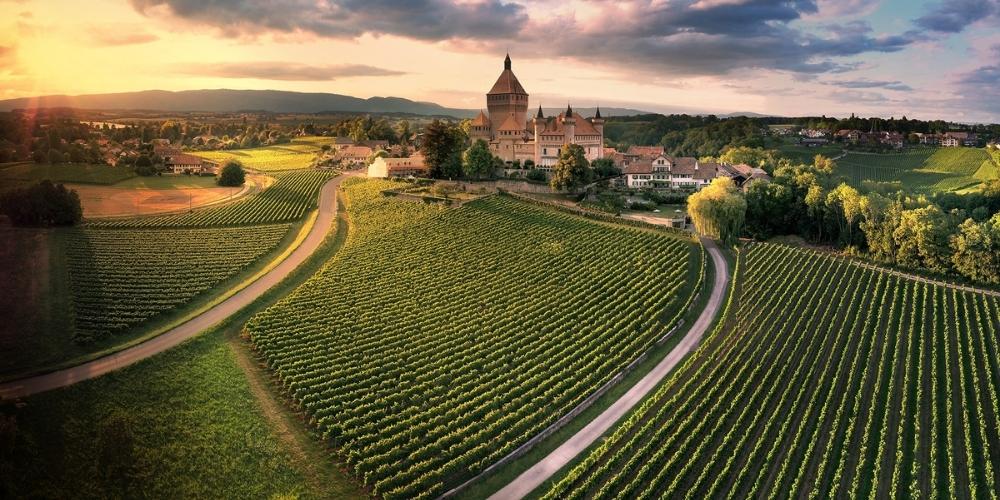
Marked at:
<point>946,233</point>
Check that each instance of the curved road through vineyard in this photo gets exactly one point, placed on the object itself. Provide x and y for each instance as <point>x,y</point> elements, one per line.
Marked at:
<point>92,369</point>
<point>578,443</point>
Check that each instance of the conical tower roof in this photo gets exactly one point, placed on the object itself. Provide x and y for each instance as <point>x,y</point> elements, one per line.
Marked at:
<point>507,83</point>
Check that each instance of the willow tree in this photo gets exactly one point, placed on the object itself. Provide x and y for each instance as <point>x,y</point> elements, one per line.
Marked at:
<point>718,210</point>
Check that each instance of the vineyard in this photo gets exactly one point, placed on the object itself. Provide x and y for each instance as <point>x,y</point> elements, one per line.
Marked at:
<point>942,169</point>
<point>829,381</point>
<point>121,278</point>
<point>288,199</point>
<point>297,154</point>
<point>438,340</point>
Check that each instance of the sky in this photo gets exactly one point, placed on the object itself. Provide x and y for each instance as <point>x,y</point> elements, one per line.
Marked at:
<point>927,59</point>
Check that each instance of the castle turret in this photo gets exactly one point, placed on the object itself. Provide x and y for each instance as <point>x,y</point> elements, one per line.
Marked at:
<point>507,98</point>
<point>598,124</point>
<point>569,125</point>
<point>539,124</point>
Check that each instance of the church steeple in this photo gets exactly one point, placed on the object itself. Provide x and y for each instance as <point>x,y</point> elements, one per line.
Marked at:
<point>506,62</point>
<point>540,115</point>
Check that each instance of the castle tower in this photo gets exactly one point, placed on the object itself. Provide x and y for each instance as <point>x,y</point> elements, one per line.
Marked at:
<point>569,125</point>
<point>539,124</point>
<point>598,124</point>
<point>507,99</point>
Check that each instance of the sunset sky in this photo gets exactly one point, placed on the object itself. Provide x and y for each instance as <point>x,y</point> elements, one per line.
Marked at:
<point>934,59</point>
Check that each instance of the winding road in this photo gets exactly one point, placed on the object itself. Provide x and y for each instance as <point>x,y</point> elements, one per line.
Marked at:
<point>578,443</point>
<point>92,369</point>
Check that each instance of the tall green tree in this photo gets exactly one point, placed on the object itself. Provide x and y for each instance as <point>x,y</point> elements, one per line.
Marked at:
<point>478,160</point>
<point>442,149</point>
<point>572,170</point>
<point>923,238</point>
<point>232,174</point>
<point>976,249</point>
<point>718,211</point>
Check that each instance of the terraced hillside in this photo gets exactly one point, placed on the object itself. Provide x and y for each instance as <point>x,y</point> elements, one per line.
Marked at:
<point>297,154</point>
<point>925,170</point>
<point>438,340</point>
<point>829,381</point>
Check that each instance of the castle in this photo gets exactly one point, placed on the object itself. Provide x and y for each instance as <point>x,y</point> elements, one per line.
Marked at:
<point>507,131</point>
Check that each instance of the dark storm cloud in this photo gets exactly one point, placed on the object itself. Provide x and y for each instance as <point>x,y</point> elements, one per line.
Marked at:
<point>421,19</point>
<point>953,16</point>
<point>286,71</point>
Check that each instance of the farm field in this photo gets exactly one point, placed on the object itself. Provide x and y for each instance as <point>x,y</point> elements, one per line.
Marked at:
<point>30,173</point>
<point>121,278</point>
<point>185,424</point>
<point>297,154</point>
<point>922,170</point>
<point>806,155</point>
<point>429,347</point>
<point>152,195</point>
<point>831,380</point>
<point>290,196</point>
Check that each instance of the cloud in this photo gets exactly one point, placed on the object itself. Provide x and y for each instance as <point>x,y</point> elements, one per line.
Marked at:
<point>284,71</point>
<point>420,19</point>
<point>111,37</point>
<point>675,38</point>
<point>840,8</point>
<point>953,16</point>
<point>870,84</point>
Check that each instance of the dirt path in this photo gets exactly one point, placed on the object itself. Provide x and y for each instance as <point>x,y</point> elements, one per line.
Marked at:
<point>579,442</point>
<point>92,369</point>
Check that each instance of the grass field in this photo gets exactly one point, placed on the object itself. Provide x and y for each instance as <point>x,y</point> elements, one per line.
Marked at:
<point>828,380</point>
<point>167,182</point>
<point>29,173</point>
<point>438,340</point>
<point>920,170</point>
<point>298,154</point>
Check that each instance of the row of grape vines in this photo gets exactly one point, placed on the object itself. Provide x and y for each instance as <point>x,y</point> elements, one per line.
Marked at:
<point>438,340</point>
<point>829,381</point>
<point>120,278</point>
<point>289,198</point>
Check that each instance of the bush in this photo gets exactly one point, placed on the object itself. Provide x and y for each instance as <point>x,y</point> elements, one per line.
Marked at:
<point>536,175</point>
<point>43,204</point>
<point>232,174</point>
<point>642,205</point>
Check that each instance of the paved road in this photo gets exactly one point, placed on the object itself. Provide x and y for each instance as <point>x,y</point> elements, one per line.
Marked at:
<point>92,369</point>
<point>543,470</point>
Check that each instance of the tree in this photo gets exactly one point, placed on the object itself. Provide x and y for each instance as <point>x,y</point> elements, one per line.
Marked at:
<point>718,211</point>
<point>442,149</point>
<point>43,204</point>
<point>845,203</point>
<point>55,156</point>
<point>403,131</point>
<point>378,153</point>
<point>232,174</point>
<point>478,160</point>
<point>922,239</point>
<point>572,169</point>
<point>755,157</point>
<point>605,168</point>
<point>769,206</point>
<point>976,250</point>
<point>144,165</point>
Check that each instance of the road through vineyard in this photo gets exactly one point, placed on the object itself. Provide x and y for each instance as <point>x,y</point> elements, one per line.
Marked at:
<point>831,380</point>
<point>438,340</point>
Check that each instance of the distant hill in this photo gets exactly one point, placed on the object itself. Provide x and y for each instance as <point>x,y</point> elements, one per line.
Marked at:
<point>275,101</point>
<point>225,100</point>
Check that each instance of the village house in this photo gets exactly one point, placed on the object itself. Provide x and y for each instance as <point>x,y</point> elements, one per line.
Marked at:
<point>354,155</point>
<point>505,127</point>
<point>743,174</point>
<point>413,166</point>
<point>663,172</point>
